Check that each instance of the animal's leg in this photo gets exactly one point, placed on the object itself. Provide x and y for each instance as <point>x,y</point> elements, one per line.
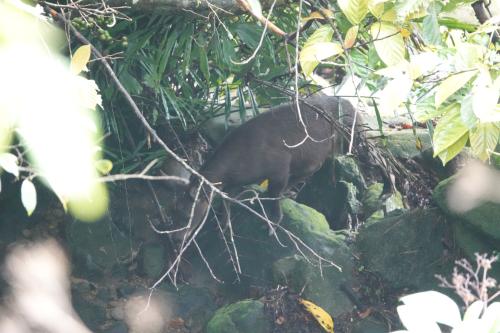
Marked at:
<point>277,185</point>
<point>297,179</point>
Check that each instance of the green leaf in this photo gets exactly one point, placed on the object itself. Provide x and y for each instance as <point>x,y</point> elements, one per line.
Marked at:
<point>187,55</point>
<point>450,134</point>
<point>426,110</point>
<point>228,52</point>
<point>104,166</point>
<point>311,56</point>
<point>9,163</point>
<point>80,59</point>
<point>484,139</point>
<point>248,33</point>
<point>130,83</point>
<point>467,113</point>
<point>204,67</point>
<point>451,84</point>
<point>318,47</point>
<point>28,196</point>
<point>430,27</point>
<point>354,10</point>
<point>390,49</point>
<point>253,101</point>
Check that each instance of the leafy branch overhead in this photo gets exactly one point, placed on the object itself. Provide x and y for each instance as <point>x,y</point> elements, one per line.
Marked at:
<point>414,57</point>
<point>420,61</point>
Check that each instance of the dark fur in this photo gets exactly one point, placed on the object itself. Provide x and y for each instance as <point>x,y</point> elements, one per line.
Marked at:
<point>257,150</point>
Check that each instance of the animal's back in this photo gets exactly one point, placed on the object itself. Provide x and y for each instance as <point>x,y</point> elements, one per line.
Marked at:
<point>260,148</point>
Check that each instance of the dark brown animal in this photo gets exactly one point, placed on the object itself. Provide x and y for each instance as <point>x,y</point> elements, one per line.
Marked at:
<point>261,149</point>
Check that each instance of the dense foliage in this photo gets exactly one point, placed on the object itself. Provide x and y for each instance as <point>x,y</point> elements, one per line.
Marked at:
<point>413,58</point>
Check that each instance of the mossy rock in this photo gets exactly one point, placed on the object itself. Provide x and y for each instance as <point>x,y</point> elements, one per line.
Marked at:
<point>322,286</point>
<point>403,144</point>
<point>407,250</point>
<point>483,219</point>
<point>312,227</point>
<point>347,169</point>
<point>245,316</point>
<point>258,252</point>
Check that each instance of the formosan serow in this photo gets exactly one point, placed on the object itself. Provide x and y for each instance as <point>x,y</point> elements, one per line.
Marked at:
<point>265,148</point>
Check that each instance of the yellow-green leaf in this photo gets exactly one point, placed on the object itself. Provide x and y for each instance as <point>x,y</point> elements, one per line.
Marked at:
<point>484,139</point>
<point>323,34</point>
<point>350,36</point>
<point>264,184</point>
<point>451,85</point>
<point>104,166</point>
<point>28,196</point>
<point>9,163</point>
<point>376,8</point>
<point>80,59</point>
<point>321,316</point>
<point>319,15</point>
<point>454,149</point>
<point>389,15</point>
<point>311,56</point>
<point>354,10</point>
<point>450,134</point>
<point>390,49</point>
<point>421,12</point>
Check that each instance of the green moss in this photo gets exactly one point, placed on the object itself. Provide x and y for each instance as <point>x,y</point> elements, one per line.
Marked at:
<point>245,316</point>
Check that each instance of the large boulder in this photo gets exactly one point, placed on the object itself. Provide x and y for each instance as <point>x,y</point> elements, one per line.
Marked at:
<point>407,250</point>
<point>265,263</point>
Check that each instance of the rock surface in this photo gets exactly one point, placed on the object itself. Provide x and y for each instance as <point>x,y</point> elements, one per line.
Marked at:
<point>407,250</point>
